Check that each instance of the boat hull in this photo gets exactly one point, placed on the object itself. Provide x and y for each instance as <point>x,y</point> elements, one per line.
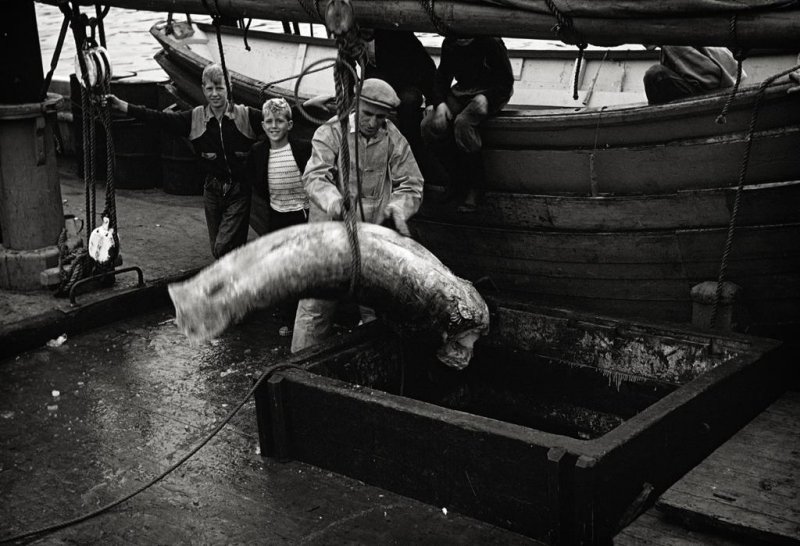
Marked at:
<point>618,209</point>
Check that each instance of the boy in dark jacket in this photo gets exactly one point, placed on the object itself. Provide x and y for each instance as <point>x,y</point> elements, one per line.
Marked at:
<point>274,170</point>
<point>484,82</point>
<point>222,134</point>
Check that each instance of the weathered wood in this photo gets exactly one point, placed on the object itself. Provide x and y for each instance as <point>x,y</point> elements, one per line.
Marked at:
<point>776,28</point>
<point>760,204</point>
<point>549,486</point>
<point>315,260</point>
<point>410,447</point>
<point>746,487</point>
<point>664,167</point>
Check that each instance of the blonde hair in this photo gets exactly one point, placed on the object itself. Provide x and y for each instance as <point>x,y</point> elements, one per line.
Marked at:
<point>276,107</point>
<point>213,73</point>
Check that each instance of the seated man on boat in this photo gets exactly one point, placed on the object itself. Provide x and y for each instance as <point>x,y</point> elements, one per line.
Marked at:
<point>222,134</point>
<point>274,170</point>
<point>399,58</point>
<point>484,82</point>
<point>686,71</point>
<point>391,189</point>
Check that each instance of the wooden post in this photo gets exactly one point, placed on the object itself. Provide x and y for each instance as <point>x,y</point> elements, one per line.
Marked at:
<point>31,212</point>
<point>20,72</point>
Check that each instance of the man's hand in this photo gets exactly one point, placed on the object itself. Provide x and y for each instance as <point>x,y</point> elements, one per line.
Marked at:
<point>794,77</point>
<point>441,116</point>
<point>394,212</point>
<point>335,210</point>
<point>116,103</point>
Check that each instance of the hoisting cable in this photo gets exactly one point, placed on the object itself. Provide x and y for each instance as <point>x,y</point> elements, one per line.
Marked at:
<point>739,54</point>
<point>566,32</point>
<point>216,19</point>
<point>739,189</point>
<point>245,30</point>
<point>340,22</point>
<point>269,372</point>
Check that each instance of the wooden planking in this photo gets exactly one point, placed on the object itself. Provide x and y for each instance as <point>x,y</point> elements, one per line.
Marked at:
<point>646,247</point>
<point>430,453</point>
<point>760,204</point>
<point>629,125</point>
<point>646,169</point>
<point>650,529</point>
<point>749,486</point>
<point>686,426</point>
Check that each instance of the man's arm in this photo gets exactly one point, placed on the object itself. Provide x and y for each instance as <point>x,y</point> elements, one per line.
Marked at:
<point>443,78</point>
<point>406,179</point>
<point>177,123</point>
<point>319,178</point>
<point>502,76</point>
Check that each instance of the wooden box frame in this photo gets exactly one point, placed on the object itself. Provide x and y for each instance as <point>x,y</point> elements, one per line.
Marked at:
<point>554,488</point>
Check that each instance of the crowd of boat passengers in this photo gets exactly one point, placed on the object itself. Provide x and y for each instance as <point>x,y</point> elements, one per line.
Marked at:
<point>414,118</point>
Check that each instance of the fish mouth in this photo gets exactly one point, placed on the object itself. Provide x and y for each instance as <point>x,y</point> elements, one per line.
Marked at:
<point>456,351</point>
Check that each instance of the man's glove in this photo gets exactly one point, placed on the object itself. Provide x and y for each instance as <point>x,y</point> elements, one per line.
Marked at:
<point>334,211</point>
<point>395,212</point>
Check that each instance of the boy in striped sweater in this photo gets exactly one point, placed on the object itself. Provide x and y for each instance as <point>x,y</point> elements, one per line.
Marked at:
<point>275,170</point>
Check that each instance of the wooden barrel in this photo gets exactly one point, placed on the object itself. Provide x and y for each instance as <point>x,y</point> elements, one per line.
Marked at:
<point>136,144</point>
<point>180,172</point>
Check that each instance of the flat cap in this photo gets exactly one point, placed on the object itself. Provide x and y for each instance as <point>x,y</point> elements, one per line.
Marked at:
<point>379,93</point>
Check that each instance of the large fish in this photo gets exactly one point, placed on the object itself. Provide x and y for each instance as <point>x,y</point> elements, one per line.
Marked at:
<point>398,275</point>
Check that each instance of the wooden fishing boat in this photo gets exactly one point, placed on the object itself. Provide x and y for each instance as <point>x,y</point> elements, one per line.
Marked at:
<point>618,209</point>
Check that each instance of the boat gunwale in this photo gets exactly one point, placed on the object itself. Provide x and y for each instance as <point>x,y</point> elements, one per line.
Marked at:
<point>522,119</point>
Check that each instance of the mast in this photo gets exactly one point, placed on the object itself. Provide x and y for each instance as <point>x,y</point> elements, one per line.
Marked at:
<point>732,23</point>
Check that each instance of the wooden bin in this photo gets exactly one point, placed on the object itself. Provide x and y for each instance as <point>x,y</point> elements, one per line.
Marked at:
<point>344,412</point>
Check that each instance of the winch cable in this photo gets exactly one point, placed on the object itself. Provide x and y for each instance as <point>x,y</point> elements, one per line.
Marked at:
<point>266,374</point>
<point>739,54</point>
<point>739,189</point>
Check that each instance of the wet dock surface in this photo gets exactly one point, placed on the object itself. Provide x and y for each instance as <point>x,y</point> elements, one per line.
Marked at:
<point>88,421</point>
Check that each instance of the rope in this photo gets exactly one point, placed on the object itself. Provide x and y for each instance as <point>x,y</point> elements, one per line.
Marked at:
<point>56,56</point>
<point>262,91</point>
<point>245,30</point>
<point>581,48</point>
<point>269,372</point>
<point>438,24</point>
<point>739,190</point>
<point>217,24</point>
<point>566,32</point>
<point>313,14</point>
<point>739,54</point>
<point>344,96</point>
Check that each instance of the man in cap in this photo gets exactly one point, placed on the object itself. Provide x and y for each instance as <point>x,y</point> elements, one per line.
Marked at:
<point>391,188</point>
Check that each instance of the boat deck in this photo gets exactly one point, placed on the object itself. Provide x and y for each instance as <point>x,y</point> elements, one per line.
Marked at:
<point>133,397</point>
<point>744,492</point>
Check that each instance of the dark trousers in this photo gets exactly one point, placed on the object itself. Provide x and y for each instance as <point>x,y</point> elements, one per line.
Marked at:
<point>662,84</point>
<point>458,147</point>
<point>227,215</point>
<point>280,220</point>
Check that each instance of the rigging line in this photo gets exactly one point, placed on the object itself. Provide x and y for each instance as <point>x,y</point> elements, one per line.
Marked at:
<point>269,372</point>
<point>739,189</point>
<point>739,54</point>
<point>56,56</point>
